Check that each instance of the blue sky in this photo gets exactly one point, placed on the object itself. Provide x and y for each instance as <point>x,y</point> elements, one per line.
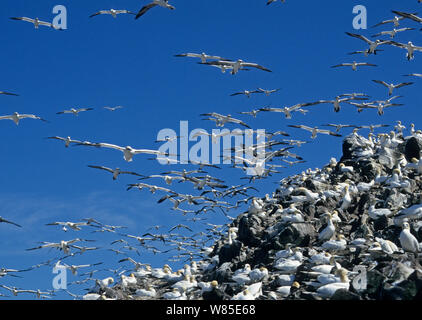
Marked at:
<point>105,61</point>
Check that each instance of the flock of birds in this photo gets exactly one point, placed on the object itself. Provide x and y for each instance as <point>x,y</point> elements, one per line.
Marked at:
<point>213,193</point>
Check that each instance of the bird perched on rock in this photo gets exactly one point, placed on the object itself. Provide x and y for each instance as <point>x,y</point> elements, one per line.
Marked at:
<point>408,241</point>
<point>328,232</point>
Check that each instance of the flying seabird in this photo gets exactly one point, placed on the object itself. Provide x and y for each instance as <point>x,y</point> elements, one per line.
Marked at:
<point>392,86</point>
<point>268,92</point>
<point>62,245</point>
<point>8,93</point>
<point>252,113</point>
<point>67,140</point>
<point>391,33</point>
<point>395,21</point>
<point>36,22</point>
<point>315,131</point>
<point>271,1</point>
<point>116,172</point>
<point>221,120</point>
<point>72,225</point>
<point>180,226</point>
<point>128,151</point>
<point>380,105</point>
<point>364,52</point>
<point>373,45</point>
<point>113,108</point>
<point>203,56</point>
<point>354,65</point>
<point>246,93</point>
<point>237,65</point>
<point>339,126</point>
<point>372,127</point>
<point>16,117</point>
<point>409,47</point>
<point>343,98</point>
<point>10,222</point>
<point>410,16</point>
<point>360,106</point>
<point>75,111</point>
<point>288,110</point>
<point>154,3</point>
<point>112,12</point>
<point>419,75</point>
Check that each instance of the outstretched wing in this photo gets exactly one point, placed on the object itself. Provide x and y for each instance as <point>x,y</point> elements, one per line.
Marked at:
<point>359,36</point>
<point>144,10</point>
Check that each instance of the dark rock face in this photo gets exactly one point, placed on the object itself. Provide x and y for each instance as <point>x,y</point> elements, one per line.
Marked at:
<point>229,251</point>
<point>375,282</point>
<point>250,230</point>
<point>409,289</point>
<point>299,234</point>
<point>343,294</point>
<point>412,148</point>
<point>347,150</point>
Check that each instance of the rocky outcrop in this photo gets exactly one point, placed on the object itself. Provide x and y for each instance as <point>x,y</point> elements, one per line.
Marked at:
<point>342,222</point>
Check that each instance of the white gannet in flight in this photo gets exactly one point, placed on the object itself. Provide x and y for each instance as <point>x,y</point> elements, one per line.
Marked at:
<point>62,245</point>
<point>354,65</point>
<point>113,108</point>
<point>373,45</point>
<point>238,65</point>
<point>203,56</point>
<point>372,127</point>
<point>75,111</point>
<point>381,105</point>
<point>67,140</point>
<point>336,102</point>
<point>409,47</point>
<point>112,12</point>
<point>252,113</point>
<point>419,75</point>
<point>339,126</point>
<point>154,3</point>
<point>128,151</point>
<point>364,52</point>
<point>8,93</point>
<point>407,240</point>
<point>36,22</point>
<point>245,92</point>
<point>221,120</point>
<point>214,136</point>
<point>315,131</point>
<point>392,86</point>
<point>392,33</point>
<point>411,16</point>
<point>2,220</point>
<point>268,92</point>
<point>395,21</point>
<point>288,110</point>
<point>116,172</point>
<point>72,225</point>
<point>16,117</point>
<point>271,1</point>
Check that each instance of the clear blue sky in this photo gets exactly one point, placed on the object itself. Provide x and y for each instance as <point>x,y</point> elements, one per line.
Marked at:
<point>105,61</point>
